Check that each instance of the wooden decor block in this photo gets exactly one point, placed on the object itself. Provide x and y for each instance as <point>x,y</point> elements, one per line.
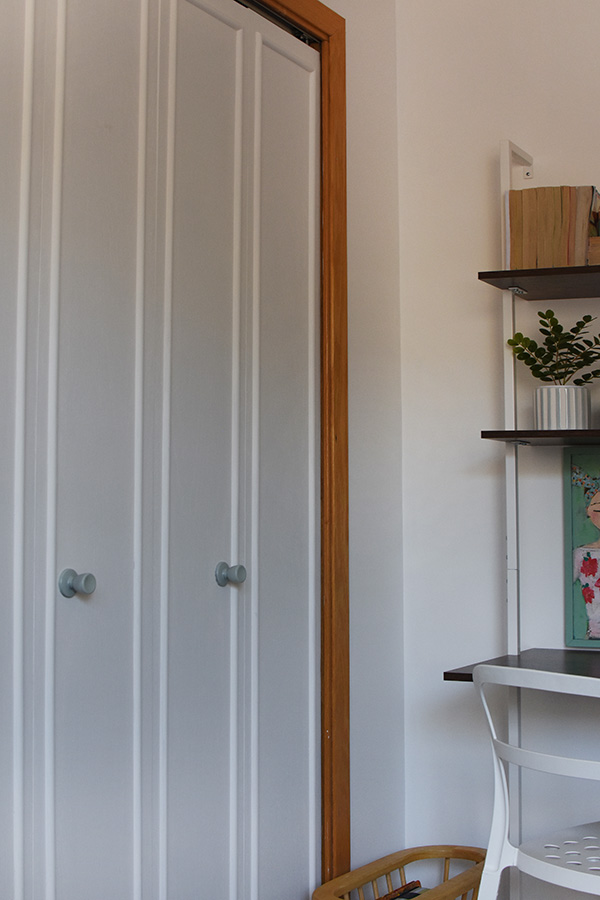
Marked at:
<point>553,226</point>
<point>594,251</point>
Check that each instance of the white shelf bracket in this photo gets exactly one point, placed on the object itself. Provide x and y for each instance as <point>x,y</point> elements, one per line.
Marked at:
<point>514,163</point>
<point>513,160</point>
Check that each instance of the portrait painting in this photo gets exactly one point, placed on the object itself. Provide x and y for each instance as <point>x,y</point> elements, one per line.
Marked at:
<point>582,547</point>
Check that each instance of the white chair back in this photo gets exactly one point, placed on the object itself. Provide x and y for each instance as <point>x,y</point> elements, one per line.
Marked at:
<point>571,857</point>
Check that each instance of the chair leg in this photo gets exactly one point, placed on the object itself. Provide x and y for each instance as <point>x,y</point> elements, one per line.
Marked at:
<point>490,882</point>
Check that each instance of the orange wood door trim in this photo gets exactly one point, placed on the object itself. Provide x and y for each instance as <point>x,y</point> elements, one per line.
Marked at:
<point>329,28</point>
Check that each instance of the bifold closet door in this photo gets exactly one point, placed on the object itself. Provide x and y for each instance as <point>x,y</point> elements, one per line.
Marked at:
<point>85,666</point>
<point>160,340</point>
<point>241,761</point>
<point>199,620</point>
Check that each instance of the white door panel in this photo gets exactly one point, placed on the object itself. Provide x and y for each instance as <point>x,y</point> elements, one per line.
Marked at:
<point>286,595</point>
<point>205,304</point>
<point>92,755</point>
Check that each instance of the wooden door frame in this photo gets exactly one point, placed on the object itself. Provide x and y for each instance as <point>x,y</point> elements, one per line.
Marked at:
<point>328,28</point>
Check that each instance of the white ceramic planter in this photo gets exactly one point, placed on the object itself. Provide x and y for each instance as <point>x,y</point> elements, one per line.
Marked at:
<point>559,406</point>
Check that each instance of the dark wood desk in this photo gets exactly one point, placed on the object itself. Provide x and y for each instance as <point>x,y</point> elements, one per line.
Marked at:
<point>571,662</point>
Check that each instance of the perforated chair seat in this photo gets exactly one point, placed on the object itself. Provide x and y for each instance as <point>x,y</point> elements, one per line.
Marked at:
<point>572,849</point>
<point>569,858</point>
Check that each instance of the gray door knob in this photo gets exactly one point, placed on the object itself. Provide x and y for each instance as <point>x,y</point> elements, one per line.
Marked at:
<point>70,583</point>
<point>229,574</point>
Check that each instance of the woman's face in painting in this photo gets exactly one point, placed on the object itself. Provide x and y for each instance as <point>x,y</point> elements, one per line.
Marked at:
<point>593,509</point>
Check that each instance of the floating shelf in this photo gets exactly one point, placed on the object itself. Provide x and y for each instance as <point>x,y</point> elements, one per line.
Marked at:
<point>563,438</point>
<point>567,283</point>
<point>572,662</point>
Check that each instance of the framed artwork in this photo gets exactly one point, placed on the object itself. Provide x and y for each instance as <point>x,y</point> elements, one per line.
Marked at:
<point>582,546</point>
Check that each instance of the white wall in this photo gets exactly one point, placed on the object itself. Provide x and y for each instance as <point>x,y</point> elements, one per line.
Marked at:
<point>426,501</point>
<point>472,73</point>
<point>375,431</point>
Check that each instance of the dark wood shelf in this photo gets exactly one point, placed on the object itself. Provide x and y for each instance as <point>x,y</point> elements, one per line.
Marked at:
<point>565,283</point>
<point>571,662</point>
<point>563,438</point>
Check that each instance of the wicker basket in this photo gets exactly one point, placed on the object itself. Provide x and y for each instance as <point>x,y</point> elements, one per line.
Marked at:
<point>385,875</point>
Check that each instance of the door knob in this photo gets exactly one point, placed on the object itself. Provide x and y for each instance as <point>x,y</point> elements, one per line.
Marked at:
<point>70,583</point>
<point>229,574</point>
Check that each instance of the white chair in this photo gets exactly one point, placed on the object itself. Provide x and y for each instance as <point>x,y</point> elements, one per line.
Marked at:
<point>569,858</point>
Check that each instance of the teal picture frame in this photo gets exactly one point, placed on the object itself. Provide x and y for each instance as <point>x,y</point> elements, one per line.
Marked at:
<point>582,546</point>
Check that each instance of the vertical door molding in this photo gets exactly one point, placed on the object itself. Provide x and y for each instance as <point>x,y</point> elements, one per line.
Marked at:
<point>138,452</point>
<point>19,542</point>
<point>329,29</point>
<point>54,288</point>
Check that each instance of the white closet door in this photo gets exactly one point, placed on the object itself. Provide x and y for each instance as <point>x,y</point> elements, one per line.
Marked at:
<point>285,477</point>
<point>161,262</point>
<point>87,304</point>
<point>242,758</point>
<point>204,399</point>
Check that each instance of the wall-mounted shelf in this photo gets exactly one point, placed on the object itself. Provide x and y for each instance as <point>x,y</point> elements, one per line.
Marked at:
<point>570,282</point>
<point>563,438</point>
<point>571,662</point>
<point>543,285</point>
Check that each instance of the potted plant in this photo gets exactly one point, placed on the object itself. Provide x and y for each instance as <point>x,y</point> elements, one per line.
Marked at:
<point>559,361</point>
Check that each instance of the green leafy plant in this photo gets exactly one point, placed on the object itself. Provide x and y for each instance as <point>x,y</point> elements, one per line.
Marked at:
<point>562,354</point>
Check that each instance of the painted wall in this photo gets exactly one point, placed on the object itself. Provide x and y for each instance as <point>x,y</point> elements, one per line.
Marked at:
<point>375,431</point>
<point>426,504</point>
<point>471,74</point>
